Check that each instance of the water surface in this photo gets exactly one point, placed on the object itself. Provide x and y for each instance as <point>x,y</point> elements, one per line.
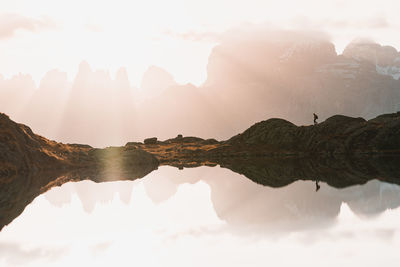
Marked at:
<point>206,217</point>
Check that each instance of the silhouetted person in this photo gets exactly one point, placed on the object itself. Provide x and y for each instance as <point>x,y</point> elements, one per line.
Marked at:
<point>315,118</point>
<point>317,186</point>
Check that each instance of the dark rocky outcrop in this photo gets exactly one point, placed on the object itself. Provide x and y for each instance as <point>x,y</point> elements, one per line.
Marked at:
<point>22,151</point>
<point>337,135</point>
<point>152,140</point>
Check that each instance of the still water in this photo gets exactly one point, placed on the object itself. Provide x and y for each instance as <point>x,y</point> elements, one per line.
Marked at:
<point>206,217</point>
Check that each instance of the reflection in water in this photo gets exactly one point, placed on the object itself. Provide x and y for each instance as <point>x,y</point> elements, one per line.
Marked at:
<point>88,196</point>
<point>18,191</point>
<point>205,217</point>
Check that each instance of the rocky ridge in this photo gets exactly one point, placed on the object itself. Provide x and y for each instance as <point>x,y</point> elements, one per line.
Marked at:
<point>336,135</point>
<point>22,151</point>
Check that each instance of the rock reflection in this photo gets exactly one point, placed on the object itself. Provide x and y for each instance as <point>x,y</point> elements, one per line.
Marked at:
<point>238,201</point>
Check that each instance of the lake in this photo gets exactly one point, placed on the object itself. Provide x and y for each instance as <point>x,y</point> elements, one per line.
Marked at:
<point>206,216</point>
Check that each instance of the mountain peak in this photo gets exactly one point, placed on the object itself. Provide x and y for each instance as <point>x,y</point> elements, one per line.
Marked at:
<point>386,58</point>
<point>371,51</point>
<point>84,67</point>
<point>155,80</point>
<point>121,78</point>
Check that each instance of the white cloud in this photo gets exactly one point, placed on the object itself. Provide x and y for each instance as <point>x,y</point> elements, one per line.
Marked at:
<point>10,23</point>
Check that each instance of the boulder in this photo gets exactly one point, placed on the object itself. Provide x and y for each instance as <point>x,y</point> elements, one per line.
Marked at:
<point>149,141</point>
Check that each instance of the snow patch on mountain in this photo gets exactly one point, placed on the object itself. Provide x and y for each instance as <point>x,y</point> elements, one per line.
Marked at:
<point>389,70</point>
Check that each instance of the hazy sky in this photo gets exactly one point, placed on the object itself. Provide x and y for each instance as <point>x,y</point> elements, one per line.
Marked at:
<point>36,36</point>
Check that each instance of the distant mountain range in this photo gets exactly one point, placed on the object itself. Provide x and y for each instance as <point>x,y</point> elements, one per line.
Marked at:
<point>248,79</point>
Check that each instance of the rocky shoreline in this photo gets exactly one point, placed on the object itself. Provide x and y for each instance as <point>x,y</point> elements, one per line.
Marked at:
<point>23,151</point>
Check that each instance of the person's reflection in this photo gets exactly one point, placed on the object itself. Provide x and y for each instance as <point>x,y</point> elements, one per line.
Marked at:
<point>317,186</point>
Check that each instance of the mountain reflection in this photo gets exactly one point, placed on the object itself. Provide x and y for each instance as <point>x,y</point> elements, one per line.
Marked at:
<point>274,195</point>
<point>89,197</point>
<point>172,212</point>
<point>245,204</point>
